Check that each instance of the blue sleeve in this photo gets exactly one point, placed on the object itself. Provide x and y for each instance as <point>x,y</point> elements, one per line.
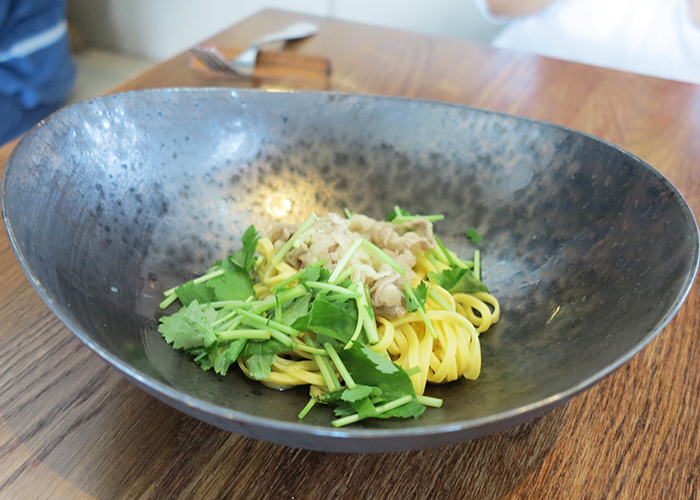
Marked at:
<point>35,60</point>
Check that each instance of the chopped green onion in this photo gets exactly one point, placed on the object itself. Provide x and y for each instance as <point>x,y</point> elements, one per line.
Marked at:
<point>348,213</point>
<point>350,419</point>
<point>349,382</point>
<point>277,258</point>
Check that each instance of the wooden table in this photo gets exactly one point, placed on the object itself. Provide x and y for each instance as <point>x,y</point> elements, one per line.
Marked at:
<point>71,427</point>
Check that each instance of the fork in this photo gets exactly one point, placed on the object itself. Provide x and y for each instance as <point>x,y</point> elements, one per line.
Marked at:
<point>244,64</point>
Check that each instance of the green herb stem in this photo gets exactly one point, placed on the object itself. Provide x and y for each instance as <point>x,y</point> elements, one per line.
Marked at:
<point>350,419</point>
<point>325,367</point>
<point>169,300</point>
<point>360,321</point>
<point>225,318</point>
<point>284,296</point>
<point>421,310</point>
<point>243,334</point>
<point>452,260</point>
<point>197,281</point>
<point>428,401</point>
<point>437,253</point>
<point>277,258</point>
<point>281,337</point>
<point>307,408</point>
<point>349,382</point>
<point>370,321</point>
<point>439,300</point>
<point>231,304</point>
<point>345,274</point>
<point>312,350</point>
<point>333,288</point>
<point>409,218</point>
<point>477,264</point>
<point>414,370</point>
<point>287,281</point>
<point>344,260</point>
<point>382,255</point>
<point>252,319</point>
<point>230,325</point>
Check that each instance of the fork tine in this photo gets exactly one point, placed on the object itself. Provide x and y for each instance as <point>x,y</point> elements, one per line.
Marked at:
<point>212,60</point>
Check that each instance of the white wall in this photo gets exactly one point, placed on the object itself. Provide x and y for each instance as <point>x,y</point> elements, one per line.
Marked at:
<point>159,29</point>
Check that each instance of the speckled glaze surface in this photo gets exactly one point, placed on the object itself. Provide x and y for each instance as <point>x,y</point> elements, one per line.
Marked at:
<point>114,200</point>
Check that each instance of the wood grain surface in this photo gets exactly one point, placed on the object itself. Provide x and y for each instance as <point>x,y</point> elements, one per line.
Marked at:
<point>71,427</point>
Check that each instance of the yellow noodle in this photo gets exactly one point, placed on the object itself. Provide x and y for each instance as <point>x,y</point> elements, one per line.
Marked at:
<point>406,341</point>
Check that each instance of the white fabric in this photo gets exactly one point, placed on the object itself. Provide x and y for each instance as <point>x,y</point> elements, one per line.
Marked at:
<point>650,37</point>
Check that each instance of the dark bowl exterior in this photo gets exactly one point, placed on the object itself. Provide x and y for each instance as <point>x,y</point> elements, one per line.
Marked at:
<point>112,201</point>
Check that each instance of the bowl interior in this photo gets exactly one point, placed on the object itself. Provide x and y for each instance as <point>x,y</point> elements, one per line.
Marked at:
<point>112,201</point>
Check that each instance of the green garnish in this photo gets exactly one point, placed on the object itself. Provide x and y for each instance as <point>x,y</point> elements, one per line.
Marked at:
<point>316,311</point>
<point>474,236</point>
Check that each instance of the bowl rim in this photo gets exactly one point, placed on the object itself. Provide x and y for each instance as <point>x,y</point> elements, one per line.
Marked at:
<point>242,422</point>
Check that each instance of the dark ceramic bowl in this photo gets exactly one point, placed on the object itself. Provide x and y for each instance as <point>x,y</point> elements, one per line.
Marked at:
<point>112,201</point>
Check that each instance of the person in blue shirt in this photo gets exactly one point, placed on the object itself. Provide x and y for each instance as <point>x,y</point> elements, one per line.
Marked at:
<point>36,68</point>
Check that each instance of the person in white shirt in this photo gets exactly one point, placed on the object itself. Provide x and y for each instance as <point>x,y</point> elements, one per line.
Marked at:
<point>651,37</point>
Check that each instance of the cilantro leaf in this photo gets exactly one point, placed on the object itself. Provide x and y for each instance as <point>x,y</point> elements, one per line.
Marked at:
<point>188,292</point>
<point>261,354</point>
<point>224,356</point>
<point>315,273</point>
<point>371,369</point>
<point>456,280</point>
<point>188,328</point>
<point>245,257</point>
<point>421,292</point>
<point>295,309</point>
<point>234,284</point>
<point>473,236</point>
<point>260,365</point>
<point>359,392</point>
<point>337,320</point>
